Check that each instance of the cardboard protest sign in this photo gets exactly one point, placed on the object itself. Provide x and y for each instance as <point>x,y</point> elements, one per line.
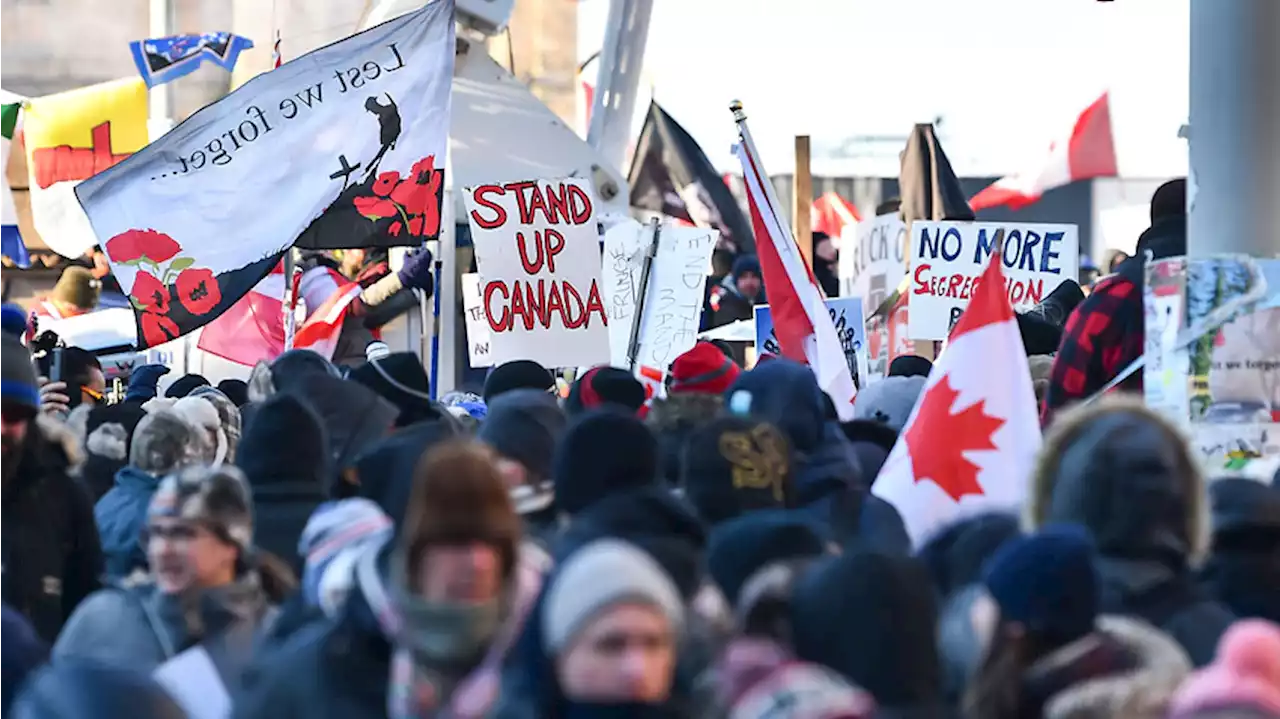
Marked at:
<point>846,313</point>
<point>873,259</point>
<point>538,250</point>
<point>623,263</point>
<point>673,306</point>
<point>947,259</point>
<point>673,303</point>
<point>476,320</point>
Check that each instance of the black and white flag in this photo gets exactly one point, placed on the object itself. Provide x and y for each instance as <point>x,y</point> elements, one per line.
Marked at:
<point>341,147</point>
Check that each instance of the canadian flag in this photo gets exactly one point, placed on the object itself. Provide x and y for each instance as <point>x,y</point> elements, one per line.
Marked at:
<point>804,328</point>
<point>253,328</point>
<point>831,213</point>
<point>971,441</point>
<point>1088,151</point>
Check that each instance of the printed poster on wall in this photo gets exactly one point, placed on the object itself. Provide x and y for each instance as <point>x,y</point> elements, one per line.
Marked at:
<point>673,302</point>
<point>538,249</point>
<point>1224,384</point>
<point>476,321</point>
<point>846,313</point>
<point>873,259</point>
<point>948,257</point>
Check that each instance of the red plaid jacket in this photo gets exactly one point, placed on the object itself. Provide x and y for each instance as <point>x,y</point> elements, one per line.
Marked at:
<point>1102,337</point>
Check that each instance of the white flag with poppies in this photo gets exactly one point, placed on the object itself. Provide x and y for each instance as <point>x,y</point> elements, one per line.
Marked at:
<point>971,441</point>
<point>342,147</point>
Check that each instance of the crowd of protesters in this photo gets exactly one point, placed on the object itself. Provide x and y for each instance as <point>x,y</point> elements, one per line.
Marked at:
<point>338,544</point>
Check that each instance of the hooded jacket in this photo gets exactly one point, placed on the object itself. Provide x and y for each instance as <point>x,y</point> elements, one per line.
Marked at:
<point>1124,473</point>
<point>826,478</point>
<point>1079,681</point>
<point>122,515</point>
<point>52,558</point>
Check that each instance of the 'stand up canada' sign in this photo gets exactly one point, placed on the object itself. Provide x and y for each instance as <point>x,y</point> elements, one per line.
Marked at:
<point>538,254</point>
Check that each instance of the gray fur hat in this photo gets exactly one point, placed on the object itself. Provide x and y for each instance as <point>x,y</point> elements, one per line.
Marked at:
<point>228,416</point>
<point>164,442</point>
<point>219,498</point>
<point>889,401</point>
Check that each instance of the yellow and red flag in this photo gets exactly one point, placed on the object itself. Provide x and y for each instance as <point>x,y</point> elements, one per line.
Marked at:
<point>70,137</point>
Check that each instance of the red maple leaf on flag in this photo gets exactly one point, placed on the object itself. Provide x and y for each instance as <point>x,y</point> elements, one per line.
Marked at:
<point>938,438</point>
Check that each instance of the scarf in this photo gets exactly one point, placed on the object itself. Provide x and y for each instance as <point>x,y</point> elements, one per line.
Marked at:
<point>438,648</point>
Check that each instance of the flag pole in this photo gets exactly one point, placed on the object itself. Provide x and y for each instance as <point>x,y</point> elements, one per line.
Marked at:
<point>633,346</point>
<point>770,196</point>
<point>435,332</point>
<point>290,304</point>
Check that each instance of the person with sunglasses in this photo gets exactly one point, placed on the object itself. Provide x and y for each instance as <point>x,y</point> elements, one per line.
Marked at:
<point>82,382</point>
<point>51,553</point>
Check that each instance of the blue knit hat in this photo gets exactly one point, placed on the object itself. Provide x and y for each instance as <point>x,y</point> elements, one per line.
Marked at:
<point>13,320</point>
<point>1047,582</point>
<point>18,375</point>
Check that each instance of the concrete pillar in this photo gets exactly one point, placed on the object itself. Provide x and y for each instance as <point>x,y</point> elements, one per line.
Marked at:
<point>1235,127</point>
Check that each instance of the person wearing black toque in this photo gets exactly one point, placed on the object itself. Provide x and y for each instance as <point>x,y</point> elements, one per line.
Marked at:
<point>517,374</point>
<point>605,385</point>
<point>236,390</point>
<point>873,618</point>
<point>182,386</point>
<point>910,366</point>
<point>400,379</point>
<point>524,426</point>
<point>604,451</point>
<point>285,455</point>
<point>739,548</point>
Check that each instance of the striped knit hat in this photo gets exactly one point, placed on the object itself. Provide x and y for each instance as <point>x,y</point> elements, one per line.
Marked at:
<point>219,499</point>
<point>334,535</point>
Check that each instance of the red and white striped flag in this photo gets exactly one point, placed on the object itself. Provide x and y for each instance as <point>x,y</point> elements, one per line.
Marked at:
<point>253,328</point>
<point>1088,151</point>
<point>831,214</point>
<point>800,319</point>
<point>275,52</point>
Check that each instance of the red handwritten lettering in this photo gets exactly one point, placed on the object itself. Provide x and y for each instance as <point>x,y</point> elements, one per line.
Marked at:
<point>522,199</point>
<point>500,214</point>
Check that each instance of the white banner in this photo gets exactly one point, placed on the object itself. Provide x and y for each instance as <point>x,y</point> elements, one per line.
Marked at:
<point>873,259</point>
<point>673,303</point>
<point>948,258</point>
<point>538,250</point>
<point>476,321</point>
<point>625,244</point>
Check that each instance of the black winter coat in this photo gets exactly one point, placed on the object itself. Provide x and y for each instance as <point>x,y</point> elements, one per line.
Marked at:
<point>336,670</point>
<point>52,556</point>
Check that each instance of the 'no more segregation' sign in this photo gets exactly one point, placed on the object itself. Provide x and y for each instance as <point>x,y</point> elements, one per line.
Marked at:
<point>947,259</point>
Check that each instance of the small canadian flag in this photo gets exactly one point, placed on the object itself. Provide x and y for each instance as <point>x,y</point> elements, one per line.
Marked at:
<point>971,441</point>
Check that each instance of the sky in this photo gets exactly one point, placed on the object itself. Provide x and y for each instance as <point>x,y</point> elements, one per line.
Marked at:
<point>1006,76</point>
